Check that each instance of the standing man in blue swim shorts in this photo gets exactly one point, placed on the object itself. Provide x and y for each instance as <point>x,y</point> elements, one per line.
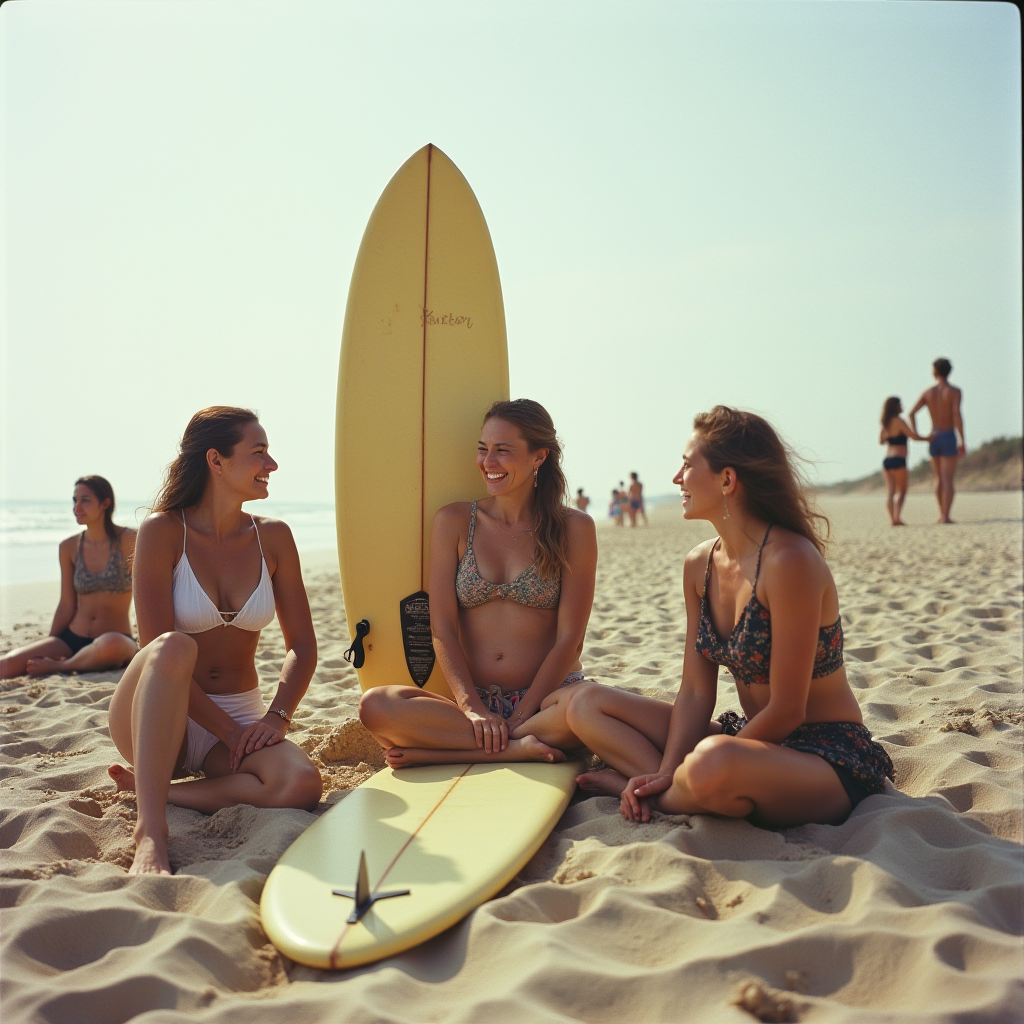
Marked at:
<point>943,401</point>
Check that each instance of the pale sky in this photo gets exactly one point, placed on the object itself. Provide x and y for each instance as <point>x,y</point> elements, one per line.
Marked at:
<point>791,207</point>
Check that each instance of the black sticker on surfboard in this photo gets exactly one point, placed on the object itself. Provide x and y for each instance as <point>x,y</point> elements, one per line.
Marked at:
<point>416,637</point>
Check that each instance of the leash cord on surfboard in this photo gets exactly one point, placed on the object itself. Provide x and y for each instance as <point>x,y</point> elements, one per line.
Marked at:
<point>355,654</point>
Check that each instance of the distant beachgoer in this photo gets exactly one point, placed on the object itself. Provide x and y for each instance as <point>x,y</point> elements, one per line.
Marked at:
<point>615,507</point>
<point>582,501</point>
<point>799,752</point>
<point>636,500</point>
<point>943,402</point>
<point>895,433</point>
<point>623,502</point>
<point>510,650</point>
<point>208,578</point>
<point>90,630</point>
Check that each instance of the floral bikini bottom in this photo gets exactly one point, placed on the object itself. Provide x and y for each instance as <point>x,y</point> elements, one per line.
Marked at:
<point>861,764</point>
<point>504,702</point>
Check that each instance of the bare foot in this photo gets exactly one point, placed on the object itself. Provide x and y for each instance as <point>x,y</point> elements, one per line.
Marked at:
<point>123,778</point>
<point>43,666</point>
<point>150,857</point>
<point>608,782</point>
<point>529,748</point>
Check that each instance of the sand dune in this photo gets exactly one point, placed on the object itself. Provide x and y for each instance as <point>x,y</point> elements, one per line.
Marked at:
<point>913,910</point>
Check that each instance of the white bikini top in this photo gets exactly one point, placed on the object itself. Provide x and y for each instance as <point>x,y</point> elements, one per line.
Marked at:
<point>194,612</point>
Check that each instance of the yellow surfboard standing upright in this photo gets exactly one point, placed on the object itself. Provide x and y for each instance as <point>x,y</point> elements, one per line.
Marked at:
<point>408,853</point>
<point>423,356</point>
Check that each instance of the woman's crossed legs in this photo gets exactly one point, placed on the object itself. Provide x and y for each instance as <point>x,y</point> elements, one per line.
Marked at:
<point>418,727</point>
<point>723,775</point>
<point>148,715</point>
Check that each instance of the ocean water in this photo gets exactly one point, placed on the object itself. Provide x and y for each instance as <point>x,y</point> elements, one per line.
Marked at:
<point>31,530</point>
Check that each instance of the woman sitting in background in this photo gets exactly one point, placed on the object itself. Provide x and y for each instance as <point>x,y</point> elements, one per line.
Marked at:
<point>760,600</point>
<point>90,630</point>
<point>895,433</point>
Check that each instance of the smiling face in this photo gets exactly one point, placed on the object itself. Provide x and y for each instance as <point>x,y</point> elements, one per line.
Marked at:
<point>247,470</point>
<point>504,458</point>
<point>86,507</point>
<point>702,488</point>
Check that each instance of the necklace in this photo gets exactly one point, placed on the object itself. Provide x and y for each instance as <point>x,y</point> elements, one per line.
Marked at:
<point>517,536</point>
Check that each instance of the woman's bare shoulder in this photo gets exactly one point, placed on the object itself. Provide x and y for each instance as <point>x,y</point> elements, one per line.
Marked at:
<point>579,523</point>
<point>70,544</point>
<point>791,552</point>
<point>274,532</point>
<point>161,526</point>
<point>455,513</point>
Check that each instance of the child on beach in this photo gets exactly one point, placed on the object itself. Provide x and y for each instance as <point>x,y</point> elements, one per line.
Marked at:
<point>90,630</point>
<point>760,600</point>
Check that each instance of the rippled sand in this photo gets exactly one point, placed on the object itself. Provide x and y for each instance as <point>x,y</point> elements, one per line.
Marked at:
<point>912,910</point>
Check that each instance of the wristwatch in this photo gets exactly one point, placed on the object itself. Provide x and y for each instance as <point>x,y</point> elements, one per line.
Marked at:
<point>282,713</point>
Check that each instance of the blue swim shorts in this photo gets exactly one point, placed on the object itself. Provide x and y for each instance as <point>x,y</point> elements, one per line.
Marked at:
<point>943,444</point>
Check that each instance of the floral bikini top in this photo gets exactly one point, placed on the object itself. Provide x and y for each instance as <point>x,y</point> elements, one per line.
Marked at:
<point>529,588</point>
<point>747,651</point>
<point>114,578</point>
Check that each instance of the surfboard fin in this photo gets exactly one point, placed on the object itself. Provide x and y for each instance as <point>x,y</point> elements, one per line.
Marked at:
<point>361,895</point>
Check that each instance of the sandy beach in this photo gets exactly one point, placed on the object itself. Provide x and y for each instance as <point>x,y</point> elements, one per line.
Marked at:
<point>913,910</point>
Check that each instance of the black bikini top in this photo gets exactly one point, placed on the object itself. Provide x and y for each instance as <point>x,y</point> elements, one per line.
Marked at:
<point>899,440</point>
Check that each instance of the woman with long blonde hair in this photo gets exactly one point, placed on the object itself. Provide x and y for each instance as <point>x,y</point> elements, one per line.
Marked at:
<point>760,599</point>
<point>511,587</point>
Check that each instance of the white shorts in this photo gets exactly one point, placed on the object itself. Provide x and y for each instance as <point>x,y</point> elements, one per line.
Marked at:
<point>245,708</point>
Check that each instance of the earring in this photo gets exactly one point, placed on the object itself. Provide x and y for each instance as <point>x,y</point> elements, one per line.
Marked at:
<point>726,504</point>
<point>535,472</point>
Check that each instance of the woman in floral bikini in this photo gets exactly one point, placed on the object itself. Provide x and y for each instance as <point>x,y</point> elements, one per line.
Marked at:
<point>509,650</point>
<point>760,599</point>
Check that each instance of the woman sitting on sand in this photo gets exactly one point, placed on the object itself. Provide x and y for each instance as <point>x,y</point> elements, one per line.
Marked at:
<point>510,650</point>
<point>895,433</point>
<point>208,578</point>
<point>90,629</point>
<point>760,600</point>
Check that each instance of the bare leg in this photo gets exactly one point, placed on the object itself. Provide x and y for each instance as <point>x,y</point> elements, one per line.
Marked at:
<point>890,490</point>
<point>417,727</point>
<point>736,778</point>
<point>902,479</point>
<point>148,712</point>
<point>109,650</point>
<point>14,663</point>
<point>947,473</point>
<point>626,731</point>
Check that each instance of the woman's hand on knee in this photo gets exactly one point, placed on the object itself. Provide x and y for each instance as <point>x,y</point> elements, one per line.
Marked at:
<point>243,741</point>
<point>489,730</point>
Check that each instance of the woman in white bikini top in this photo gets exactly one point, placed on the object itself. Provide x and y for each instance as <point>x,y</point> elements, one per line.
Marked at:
<point>205,584</point>
<point>194,612</point>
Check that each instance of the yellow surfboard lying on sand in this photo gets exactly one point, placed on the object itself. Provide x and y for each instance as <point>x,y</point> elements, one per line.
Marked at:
<point>407,854</point>
<point>444,837</point>
<point>423,356</point>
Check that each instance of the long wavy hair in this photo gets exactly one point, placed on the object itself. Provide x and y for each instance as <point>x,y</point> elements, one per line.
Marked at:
<point>100,487</point>
<point>774,488</point>
<point>890,410</point>
<point>219,427</point>
<point>550,529</point>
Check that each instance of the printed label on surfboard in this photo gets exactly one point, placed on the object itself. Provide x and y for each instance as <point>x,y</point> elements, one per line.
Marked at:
<point>416,638</point>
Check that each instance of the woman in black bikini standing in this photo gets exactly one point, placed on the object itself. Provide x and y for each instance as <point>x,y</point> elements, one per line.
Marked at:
<point>90,630</point>
<point>895,433</point>
<point>760,600</point>
<point>509,650</point>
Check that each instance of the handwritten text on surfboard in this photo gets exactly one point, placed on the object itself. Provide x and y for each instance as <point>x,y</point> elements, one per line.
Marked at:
<point>445,319</point>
